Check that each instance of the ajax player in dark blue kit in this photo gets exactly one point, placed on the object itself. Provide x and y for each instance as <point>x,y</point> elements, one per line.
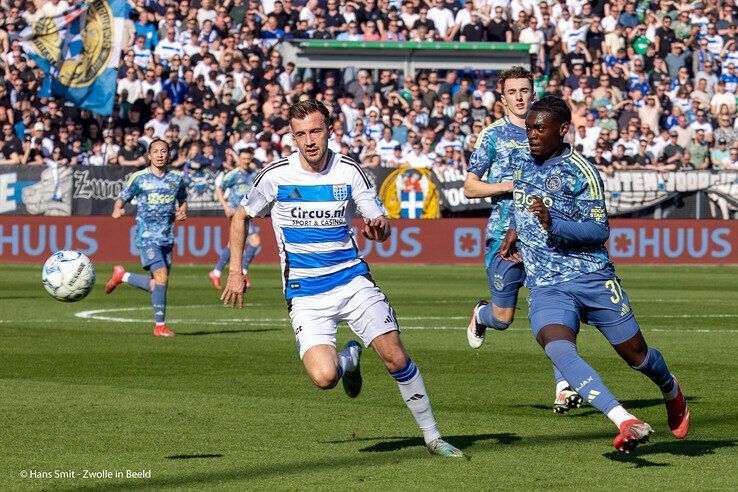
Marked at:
<point>161,196</point>
<point>561,224</point>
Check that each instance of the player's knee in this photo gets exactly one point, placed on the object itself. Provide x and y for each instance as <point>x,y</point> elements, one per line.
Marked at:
<point>395,361</point>
<point>633,351</point>
<point>255,240</point>
<point>503,315</point>
<point>161,277</point>
<point>324,379</point>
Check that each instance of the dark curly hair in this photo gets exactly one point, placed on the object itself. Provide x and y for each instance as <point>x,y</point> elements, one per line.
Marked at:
<point>555,106</point>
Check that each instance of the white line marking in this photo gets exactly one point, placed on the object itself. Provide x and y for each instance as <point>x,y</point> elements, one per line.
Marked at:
<point>104,315</point>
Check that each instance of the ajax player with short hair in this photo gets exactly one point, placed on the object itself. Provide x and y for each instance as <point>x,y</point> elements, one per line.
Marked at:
<point>492,157</point>
<point>231,190</point>
<point>561,222</point>
<point>161,194</point>
<point>311,194</point>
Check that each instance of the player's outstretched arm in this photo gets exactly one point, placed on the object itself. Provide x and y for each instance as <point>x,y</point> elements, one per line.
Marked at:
<point>233,293</point>
<point>474,187</point>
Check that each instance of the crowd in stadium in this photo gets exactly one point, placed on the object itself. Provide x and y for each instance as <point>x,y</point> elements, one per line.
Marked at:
<point>651,85</point>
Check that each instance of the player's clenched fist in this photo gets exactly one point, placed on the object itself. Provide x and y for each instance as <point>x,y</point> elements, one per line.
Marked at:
<point>539,209</point>
<point>233,293</point>
<point>377,229</point>
<point>181,213</point>
<point>508,249</point>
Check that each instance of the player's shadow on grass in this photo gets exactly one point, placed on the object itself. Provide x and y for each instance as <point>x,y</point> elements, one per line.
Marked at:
<point>400,442</point>
<point>687,447</point>
<point>587,410</point>
<point>193,456</point>
<point>222,332</point>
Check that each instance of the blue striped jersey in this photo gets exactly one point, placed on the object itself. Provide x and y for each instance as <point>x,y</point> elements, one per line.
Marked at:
<point>571,187</point>
<point>491,156</point>
<point>311,215</point>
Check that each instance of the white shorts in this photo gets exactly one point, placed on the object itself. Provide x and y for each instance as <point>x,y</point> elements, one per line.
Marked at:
<point>360,303</point>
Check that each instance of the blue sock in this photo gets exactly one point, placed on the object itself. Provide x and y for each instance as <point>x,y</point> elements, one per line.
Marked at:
<point>487,316</point>
<point>159,301</point>
<point>583,378</point>
<point>559,378</point>
<point>225,256</point>
<point>141,281</point>
<point>248,255</point>
<point>654,366</point>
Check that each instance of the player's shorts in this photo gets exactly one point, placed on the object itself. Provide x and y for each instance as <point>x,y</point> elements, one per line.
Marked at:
<point>595,299</point>
<point>155,257</point>
<point>253,229</point>
<point>360,303</point>
<point>505,280</point>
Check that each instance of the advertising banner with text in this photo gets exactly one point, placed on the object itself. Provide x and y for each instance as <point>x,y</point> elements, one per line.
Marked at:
<point>26,239</point>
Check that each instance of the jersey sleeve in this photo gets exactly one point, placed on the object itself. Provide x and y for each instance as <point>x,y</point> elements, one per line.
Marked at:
<point>182,190</point>
<point>130,190</point>
<point>260,197</point>
<point>226,182</point>
<point>589,224</point>
<point>365,196</point>
<point>484,153</point>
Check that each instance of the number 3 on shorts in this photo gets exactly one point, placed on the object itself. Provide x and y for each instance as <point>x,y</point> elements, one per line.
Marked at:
<point>617,292</point>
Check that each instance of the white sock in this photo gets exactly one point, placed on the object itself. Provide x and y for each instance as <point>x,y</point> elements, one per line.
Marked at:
<point>125,277</point>
<point>348,358</point>
<point>673,393</point>
<point>244,271</point>
<point>561,386</point>
<point>416,399</point>
<point>619,415</point>
<point>216,272</point>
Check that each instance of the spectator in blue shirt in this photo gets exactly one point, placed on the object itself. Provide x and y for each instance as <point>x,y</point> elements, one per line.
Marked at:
<point>629,18</point>
<point>146,28</point>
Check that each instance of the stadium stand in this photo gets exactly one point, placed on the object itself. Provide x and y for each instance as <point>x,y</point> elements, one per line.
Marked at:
<point>651,85</point>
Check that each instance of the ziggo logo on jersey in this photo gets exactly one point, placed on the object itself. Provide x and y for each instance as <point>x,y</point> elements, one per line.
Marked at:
<point>520,199</point>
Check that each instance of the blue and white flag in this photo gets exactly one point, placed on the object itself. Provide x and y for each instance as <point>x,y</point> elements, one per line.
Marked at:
<point>79,51</point>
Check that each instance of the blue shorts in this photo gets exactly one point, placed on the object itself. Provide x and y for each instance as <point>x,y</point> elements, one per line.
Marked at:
<point>253,229</point>
<point>505,280</point>
<point>595,299</point>
<point>155,257</point>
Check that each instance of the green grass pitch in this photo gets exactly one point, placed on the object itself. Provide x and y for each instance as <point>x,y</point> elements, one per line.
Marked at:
<point>226,404</point>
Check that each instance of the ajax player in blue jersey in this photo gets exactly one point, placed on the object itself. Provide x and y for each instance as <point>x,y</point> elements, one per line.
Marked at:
<point>492,157</point>
<point>311,195</point>
<point>236,185</point>
<point>161,196</point>
<point>561,224</point>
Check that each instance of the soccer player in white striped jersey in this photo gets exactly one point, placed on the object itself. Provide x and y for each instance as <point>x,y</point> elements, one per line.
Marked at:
<point>312,194</point>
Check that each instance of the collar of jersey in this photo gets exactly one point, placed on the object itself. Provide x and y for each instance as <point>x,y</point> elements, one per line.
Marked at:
<point>555,160</point>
